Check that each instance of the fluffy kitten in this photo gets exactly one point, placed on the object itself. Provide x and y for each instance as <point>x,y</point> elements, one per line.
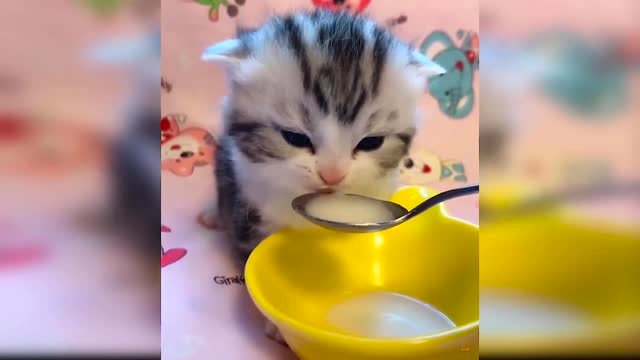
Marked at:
<point>317,100</point>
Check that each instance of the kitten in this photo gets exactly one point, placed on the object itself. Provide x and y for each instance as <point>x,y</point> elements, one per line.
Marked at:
<point>318,100</point>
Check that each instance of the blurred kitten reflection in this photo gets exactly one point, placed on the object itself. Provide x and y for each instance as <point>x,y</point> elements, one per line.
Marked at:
<point>134,166</point>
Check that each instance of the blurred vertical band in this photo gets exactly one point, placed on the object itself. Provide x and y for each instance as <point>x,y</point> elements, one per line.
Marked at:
<point>560,111</point>
<point>79,114</point>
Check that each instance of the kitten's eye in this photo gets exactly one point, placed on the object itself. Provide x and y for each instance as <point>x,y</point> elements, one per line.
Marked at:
<point>296,139</point>
<point>370,143</point>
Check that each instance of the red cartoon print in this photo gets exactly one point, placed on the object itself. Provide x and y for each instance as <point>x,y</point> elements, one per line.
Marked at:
<point>171,256</point>
<point>170,127</point>
<point>356,6</point>
<point>32,147</point>
<point>21,256</point>
<point>184,149</point>
<point>18,250</point>
<point>395,21</point>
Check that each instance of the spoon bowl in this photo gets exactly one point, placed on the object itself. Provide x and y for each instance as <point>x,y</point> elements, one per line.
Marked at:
<point>396,213</point>
<point>301,203</point>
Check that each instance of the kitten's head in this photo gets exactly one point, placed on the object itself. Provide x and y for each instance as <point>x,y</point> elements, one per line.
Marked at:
<point>322,99</point>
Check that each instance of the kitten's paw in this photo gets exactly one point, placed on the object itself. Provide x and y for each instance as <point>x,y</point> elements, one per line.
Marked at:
<point>209,219</point>
<point>272,332</point>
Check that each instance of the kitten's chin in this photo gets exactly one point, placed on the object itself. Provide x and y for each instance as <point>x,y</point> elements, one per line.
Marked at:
<point>381,191</point>
<point>326,190</point>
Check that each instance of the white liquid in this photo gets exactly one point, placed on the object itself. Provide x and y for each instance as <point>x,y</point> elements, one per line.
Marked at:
<point>348,209</point>
<point>387,315</point>
<point>516,314</point>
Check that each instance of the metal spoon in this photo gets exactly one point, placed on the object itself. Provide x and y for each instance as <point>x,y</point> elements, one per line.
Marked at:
<point>400,214</point>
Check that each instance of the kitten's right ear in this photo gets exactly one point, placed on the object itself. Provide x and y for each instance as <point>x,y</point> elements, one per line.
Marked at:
<point>228,52</point>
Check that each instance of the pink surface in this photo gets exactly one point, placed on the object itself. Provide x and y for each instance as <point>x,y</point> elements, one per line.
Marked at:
<point>69,289</point>
<point>206,310</point>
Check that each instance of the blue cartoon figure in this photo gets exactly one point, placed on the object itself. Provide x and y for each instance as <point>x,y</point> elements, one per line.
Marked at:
<point>586,79</point>
<point>454,89</point>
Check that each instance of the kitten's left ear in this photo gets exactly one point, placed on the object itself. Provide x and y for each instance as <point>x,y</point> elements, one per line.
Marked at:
<point>228,52</point>
<point>424,66</point>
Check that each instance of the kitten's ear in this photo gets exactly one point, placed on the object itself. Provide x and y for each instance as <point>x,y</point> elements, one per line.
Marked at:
<point>424,66</point>
<point>228,52</point>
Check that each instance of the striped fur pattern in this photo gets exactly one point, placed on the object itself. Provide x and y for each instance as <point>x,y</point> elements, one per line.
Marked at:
<point>334,80</point>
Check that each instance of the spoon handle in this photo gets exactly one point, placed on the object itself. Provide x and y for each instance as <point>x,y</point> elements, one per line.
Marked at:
<point>443,196</point>
<point>547,201</point>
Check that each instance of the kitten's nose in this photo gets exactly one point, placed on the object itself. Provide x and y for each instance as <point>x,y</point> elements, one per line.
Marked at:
<point>332,177</point>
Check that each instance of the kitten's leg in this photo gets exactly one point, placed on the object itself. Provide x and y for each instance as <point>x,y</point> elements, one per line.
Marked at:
<point>248,231</point>
<point>244,224</point>
<point>272,332</point>
<point>209,219</point>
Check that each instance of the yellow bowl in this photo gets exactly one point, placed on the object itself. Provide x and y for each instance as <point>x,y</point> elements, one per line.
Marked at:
<point>295,277</point>
<point>581,266</point>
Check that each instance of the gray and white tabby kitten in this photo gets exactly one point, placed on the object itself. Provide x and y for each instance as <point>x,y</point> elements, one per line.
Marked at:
<point>318,100</point>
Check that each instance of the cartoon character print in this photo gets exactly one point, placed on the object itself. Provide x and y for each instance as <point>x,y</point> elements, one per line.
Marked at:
<point>214,8</point>
<point>585,79</point>
<point>183,150</point>
<point>170,256</point>
<point>12,258</point>
<point>396,20</point>
<point>424,167</point>
<point>110,8</point>
<point>104,8</point>
<point>165,85</point>
<point>627,50</point>
<point>34,146</point>
<point>170,126</point>
<point>355,6</point>
<point>454,89</point>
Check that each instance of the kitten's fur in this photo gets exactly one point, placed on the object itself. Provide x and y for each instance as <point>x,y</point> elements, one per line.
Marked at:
<point>334,77</point>
<point>331,76</point>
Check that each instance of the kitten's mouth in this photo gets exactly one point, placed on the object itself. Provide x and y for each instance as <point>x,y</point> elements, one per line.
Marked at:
<point>325,190</point>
